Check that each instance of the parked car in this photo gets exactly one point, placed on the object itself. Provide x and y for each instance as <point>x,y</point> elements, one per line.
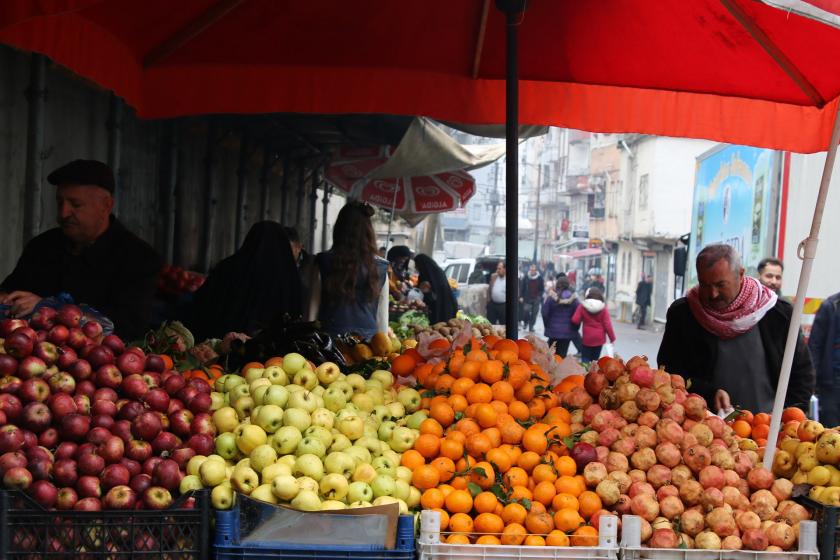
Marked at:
<point>473,276</point>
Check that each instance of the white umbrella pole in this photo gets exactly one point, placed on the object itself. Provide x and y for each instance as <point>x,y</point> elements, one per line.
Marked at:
<point>807,250</point>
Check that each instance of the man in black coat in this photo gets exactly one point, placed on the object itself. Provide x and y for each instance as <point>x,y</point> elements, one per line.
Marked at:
<point>644,290</point>
<point>727,336</point>
<point>90,255</point>
<point>824,344</point>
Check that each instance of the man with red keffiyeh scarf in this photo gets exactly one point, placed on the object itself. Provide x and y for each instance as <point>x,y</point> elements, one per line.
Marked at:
<point>727,336</point>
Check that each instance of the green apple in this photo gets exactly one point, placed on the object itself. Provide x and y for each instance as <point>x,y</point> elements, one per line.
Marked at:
<point>307,500</point>
<point>219,384</point>
<point>385,377</point>
<point>292,362</point>
<point>360,454</point>
<point>243,407</point>
<point>376,395</point>
<point>217,401</point>
<point>245,462</point>
<point>381,413</point>
<point>371,427</point>
<point>359,492</point>
<point>276,375</point>
<point>309,465</point>
<point>251,437</point>
<point>340,463</point>
<point>226,445</point>
<point>292,388</point>
<point>288,460</point>
<point>253,373</point>
<point>276,395</point>
<point>385,500</point>
<point>285,487</point>
<point>225,419</point>
<point>262,456</point>
<point>351,426</point>
<point>194,463</point>
<point>254,413</point>
<point>215,457</point>
<point>304,400</point>
<point>333,505</point>
<point>221,497</point>
<point>397,409</point>
<point>271,472</point>
<point>404,473</point>
<point>382,485</point>
<point>413,498</point>
<point>190,482</point>
<point>311,446</point>
<point>384,465</point>
<point>297,417</point>
<point>327,373</point>
<point>320,433</point>
<point>263,493</point>
<point>371,443</point>
<point>211,473</point>
<point>391,454</point>
<point>356,381</point>
<point>323,417</point>
<point>416,419</point>
<point>286,439</point>
<point>242,390</point>
<point>269,418</point>
<point>319,399</point>
<point>401,489</point>
<point>410,399</point>
<point>334,486</point>
<point>308,483</point>
<point>343,386</point>
<point>340,442</point>
<point>371,384</point>
<point>364,401</point>
<point>402,439</point>
<point>244,479</point>
<point>306,378</point>
<point>259,393</point>
<point>385,430</point>
<point>233,381</point>
<point>360,504</point>
<point>257,383</point>
<point>364,473</point>
<point>334,399</point>
<point>319,390</point>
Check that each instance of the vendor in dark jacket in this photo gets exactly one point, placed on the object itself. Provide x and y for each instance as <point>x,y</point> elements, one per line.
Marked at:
<point>728,337</point>
<point>824,344</point>
<point>91,255</point>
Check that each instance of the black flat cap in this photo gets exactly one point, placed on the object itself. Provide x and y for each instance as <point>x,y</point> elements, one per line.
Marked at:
<point>84,172</point>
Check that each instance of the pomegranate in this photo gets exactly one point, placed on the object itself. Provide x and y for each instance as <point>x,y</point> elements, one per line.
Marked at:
<point>645,506</point>
<point>648,419</point>
<point>711,498</point>
<point>697,457</point>
<point>703,434</point>
<point>648,399</point>
<point>671,507</point>
<point>646,437</point>
<point>707,540</point>
<point>692,522</point>
<point>664,538</point>
<point>743,463</point>
<point>666,394</point>
<point>731,543</point>
<point>674,412</point>
<point>754,539</point>
<point>695,407</point>
<point>637,476</point>
<point>681,474</point>
<point>712,477</point>
<point>595,382</point>
<point>627,392</point>
<point>626,446</point>
<point>668,454</point>
<point>782,489</point>
<point>635,362</point>
<point>642,376</point>
<point>748,520</point>
<point>781,535</point>
<point>764,497</point>
<point>590,413</point>
<point>640,487</point>
<point>611,368</point>
<point>659,475</point>
<point>668,490</point>
<point>621,478</point>
<point>721,522</point>
<point>690,492</point>
<point>643,459</point>
<point>721,457</point>
<point>608,491</point>
<point>629,411</point>
<point>760,478</point>
<point>594,473</point>
<point>617,462</point>
<point>608,399</point>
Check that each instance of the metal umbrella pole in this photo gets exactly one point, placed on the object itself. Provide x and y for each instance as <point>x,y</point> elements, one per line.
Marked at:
<point>391,217</point>
<point>807,251</point>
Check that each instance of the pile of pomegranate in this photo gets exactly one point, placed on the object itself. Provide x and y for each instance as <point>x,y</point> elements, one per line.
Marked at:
<point>655,451</point>
<point>88,424</point>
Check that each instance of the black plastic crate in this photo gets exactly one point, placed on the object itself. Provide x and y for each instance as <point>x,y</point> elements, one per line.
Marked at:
<point>28,531</point>
<point>828,535</point>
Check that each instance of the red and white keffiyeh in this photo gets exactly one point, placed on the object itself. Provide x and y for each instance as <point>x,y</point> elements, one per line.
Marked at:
<point>754,301</point>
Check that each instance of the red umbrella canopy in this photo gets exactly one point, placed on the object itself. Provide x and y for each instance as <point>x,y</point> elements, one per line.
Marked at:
<point>351,168</point>
<point>732,70</point>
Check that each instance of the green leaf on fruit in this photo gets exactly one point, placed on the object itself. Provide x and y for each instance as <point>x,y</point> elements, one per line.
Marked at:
<point>467,348</point>
<point>428,394</point>
<point>458,416</point>
<point>526,503</point>
<point>474,489</point>
<point>732,416</point>
<point>480,472</point>
<point>505,371</point>
<point>500,493</point>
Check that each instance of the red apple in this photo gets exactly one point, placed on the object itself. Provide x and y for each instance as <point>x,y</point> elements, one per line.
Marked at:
<point>82,404</point>
<point>69,315</point>
<point>102,421</point>
<point>44,492</point>
<point>175,405</point>
<point>86,388</point>
<point>8,365</point>
<point>150,464</point>
<point>48,438</point>
<point>154,363</point>
<point>157,399</point>
<point>91,464</point>
<point>200,403</point>
<point>112,449</point>
<point>36,390</point>
<point>165,441</point>
<point>115,475</point>
<point>62,382</point>
<point>167,474</point>
<point>134,468</point>
<point>92,329</point>
<point>173,384</point>
<point>74,427</point>
<point>187,393</point>
<point>47,352</point>
<point>88,504</point>
<point>76,339</point>
<point>18,344</point>
<point>122,429</point>
<point>11,438</point>
<point>31,367</point>
<point>65,472</point>
<point>115,343</point>
<point>10,383</point>
<point>81,370</point>
<point>84,449</point>
<point>37,417</point>
<point>40,468</point>
<point>11,406</point>
<point>105,393</point>
<point>203,424</point>
<point>157,497</point>
<point>17,478</point>
<point>179,422</point>
<point>104,408</point>
<point>62,404</point>
<point>108,375</point>
<point>151,378</point>
<point>130,363</point>
<point>89,486</point>
<point>120,497</point>
<point>66,499</point>
<point>66,450</point>
<point>140,482</point>
<point>97,436</point>
<point>8,326</point>
<point>12,459</point>
<point>138,450</point>
<point>130,410</point>
<point>58,335</point>
<point>182,455</point>
<point>146,426</point>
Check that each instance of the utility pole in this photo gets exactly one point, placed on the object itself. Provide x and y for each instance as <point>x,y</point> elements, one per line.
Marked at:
<point>494,205</point>
<point>537,219</point>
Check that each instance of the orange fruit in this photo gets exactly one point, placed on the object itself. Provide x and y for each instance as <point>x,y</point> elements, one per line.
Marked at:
<point>566,484</point>
<point>458,402</point>
<point>491,371</point>
<point>478,445</point>
<point>476,355</point>
<point>439,344</point>
<point>526,392</point>
<point>585,536</point>
<point>793,413</point>
<point>536,408</point>
<point>519,410</point>
<point>760,431</point>
<point>168,363</point>
<point>590,502</point>
<point>512,432</point>
<point>451,448</point>
<point>461,386</point>
<point>502,391</point>
<point>518,376</point>
<point>567,519</point>
<point>534,439</point>
<point>488,540</point>
<point>427,445</point>
<point>499,457</point>
<point>483,475</point>
<point>489,523</point>
<point>470,370</point>
<point>444,383</point>
<point>499,406</point>
<point>520,492</point>
<point>461,523</point>
<point>544,492</point>
<point>564,501</point>
<point>446,489</point>
<point>534,540</point>
<point>412,459</point>
<point>539,522</point>
<point>746,416</point>
<point>514,513</point>
<point>761,418</point>
<point>457,538</point>
<point>486,415</point>
<point>455,363</point>
<point>431,426</point>
<point>528,461</point>
<point>516,476</point>
<point>425,477</point>
<point>525,349</point>
<point>485,502</point>
<point>742,428</point>
<point>479,393</point>
<point>566,466</point>
<point>557,538</point>
<point>459,483</point>
<point>445,467</point>
<point>513,534</point>
<point>468,426</point>
<point>444,518</point>
<point>494,435</point>
<point>403,365</point>
<point>544,472</point>
<point>459,501</point>
<point>432,498</point>
<point>443,413</point>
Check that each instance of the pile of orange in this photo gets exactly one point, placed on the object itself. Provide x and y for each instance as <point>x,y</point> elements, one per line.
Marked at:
<point>757,426</point>
<point>490,457</point>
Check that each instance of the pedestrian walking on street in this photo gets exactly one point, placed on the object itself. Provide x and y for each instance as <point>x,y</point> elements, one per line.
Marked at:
<point>643,293</point>
<point>557,311</point>
<point>824,344</point>
<point>597,327</point>
<point>497,296</point>
<point>532,289</point>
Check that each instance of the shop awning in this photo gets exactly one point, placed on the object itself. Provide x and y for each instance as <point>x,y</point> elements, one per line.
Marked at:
<point>583,253</point>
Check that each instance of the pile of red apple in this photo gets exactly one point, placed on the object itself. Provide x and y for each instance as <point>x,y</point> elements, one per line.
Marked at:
<point>88,424</point>
<point>653,450</point>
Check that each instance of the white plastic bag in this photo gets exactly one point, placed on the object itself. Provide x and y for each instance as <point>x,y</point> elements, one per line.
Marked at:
<point>608,350</point>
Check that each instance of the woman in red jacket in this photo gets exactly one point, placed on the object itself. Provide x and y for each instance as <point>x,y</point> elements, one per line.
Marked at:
<point>596,324</point>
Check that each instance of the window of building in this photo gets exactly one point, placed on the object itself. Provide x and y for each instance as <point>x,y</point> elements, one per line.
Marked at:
<point>643,192</point>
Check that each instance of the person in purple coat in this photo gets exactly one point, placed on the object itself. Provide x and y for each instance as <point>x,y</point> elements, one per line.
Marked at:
<point>557,311</point>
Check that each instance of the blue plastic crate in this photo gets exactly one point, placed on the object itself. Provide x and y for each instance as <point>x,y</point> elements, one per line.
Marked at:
<point>227,543</point>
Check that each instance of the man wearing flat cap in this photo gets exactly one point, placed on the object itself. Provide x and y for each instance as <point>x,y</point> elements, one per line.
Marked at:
<point>90,255</point>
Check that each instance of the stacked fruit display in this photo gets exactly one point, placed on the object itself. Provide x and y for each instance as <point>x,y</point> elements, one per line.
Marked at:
<point>307,436</point>
<point>174,281</point>
<point>88,424</point>
<point>504,464</point>
<point>809,454</point>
